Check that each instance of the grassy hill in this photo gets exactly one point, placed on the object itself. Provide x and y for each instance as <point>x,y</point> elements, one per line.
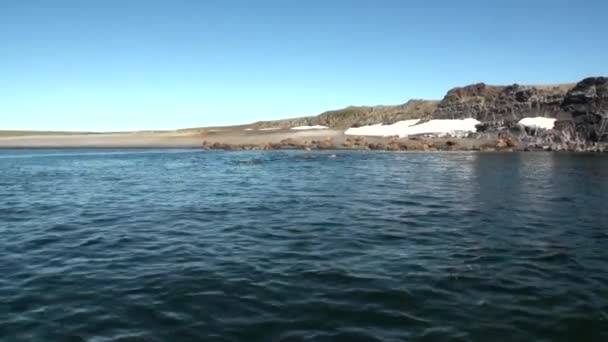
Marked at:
<point>358,116</point>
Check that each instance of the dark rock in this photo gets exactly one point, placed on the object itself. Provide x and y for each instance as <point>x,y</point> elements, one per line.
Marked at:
<point>403,146</point>
<point>392,147</point>
<point>326,144</point>
<point>291,142</point>
<point>503,143</point>
<point>360,141</point>
<point>222,146</point>
<point>380,146</point>
<point>347,144</point>
<point>587,103</point>
<point>501,103</point>
<point>482,127</point>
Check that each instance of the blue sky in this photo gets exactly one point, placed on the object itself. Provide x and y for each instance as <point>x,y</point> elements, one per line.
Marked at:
<point>125,65</point>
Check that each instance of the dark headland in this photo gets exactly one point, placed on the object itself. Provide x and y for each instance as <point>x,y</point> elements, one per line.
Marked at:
<point>580,111</point>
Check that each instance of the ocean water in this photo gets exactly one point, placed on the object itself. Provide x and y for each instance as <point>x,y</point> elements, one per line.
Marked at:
<point>184,245</point>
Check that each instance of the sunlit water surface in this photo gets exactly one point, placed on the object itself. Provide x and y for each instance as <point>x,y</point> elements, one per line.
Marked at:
<point>144,245</point>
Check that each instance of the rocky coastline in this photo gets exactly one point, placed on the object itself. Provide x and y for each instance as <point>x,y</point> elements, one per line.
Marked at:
<point>580,111</point>
<point>367,144</point>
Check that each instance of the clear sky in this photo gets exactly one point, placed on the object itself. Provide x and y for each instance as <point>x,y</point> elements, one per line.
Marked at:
<point>146,64</point>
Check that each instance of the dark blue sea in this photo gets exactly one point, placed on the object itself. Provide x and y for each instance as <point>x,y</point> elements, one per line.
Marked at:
<point>186,245</point>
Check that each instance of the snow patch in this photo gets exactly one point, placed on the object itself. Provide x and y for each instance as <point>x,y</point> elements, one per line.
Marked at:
<point>411,127</point>
<point>448,127</point>
<point>382,130</point>
<point>269,129</point>
<point>538,122</point>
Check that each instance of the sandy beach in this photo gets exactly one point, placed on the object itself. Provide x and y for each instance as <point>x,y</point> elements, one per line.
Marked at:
<point>169,139</point>
<point>118,140</point>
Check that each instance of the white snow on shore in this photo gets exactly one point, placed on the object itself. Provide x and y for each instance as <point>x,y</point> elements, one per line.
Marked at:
<point>410,127</point>
<point>269,129</point>
<point>382,130</point>
<point>451,127</point>
<point>309,127</point>
<point>538,122</point>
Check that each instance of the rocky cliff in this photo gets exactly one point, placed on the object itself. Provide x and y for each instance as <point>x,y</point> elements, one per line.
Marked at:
<point>488,103</point>
<point>579,108</point>
<point>586,108</point>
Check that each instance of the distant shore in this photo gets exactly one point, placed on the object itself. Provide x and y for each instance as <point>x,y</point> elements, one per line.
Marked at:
<point>167,139</point>
<point>103,140</point>
<point>239,139</point>
<point>562,117</point>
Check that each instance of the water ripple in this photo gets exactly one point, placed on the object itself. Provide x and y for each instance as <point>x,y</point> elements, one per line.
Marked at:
<point>143,245</point>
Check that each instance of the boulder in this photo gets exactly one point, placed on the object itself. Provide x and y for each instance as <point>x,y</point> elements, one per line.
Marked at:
<point>327,143</point>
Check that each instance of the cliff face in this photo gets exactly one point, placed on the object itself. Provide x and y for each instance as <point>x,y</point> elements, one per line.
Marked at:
<point>501,103</point>
<point>579,107</point>
<point>587,105</point>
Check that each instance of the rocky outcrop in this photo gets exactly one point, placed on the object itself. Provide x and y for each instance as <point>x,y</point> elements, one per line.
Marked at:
<point>587,108</point>
<point>581,111</point>
<point>579,108</point>
<point>488,103</point>
<point>492,143</point>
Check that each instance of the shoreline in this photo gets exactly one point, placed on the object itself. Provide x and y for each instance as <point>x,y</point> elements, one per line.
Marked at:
<point>563,117</point>
<point>103,140</point>
<point>242,140</point>
<point>234,140</point>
